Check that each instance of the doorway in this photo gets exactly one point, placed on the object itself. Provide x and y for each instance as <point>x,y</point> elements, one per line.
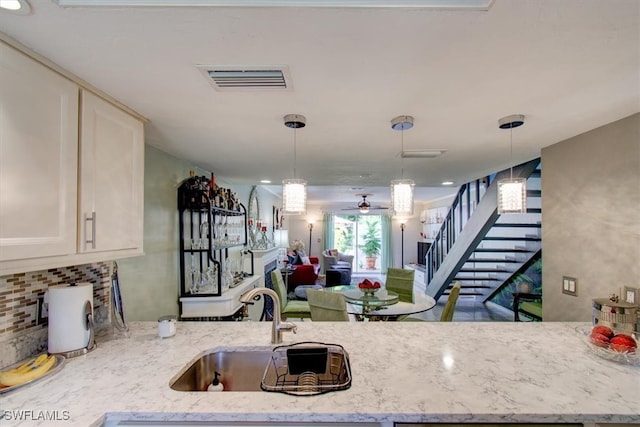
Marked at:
<point>360,236</point>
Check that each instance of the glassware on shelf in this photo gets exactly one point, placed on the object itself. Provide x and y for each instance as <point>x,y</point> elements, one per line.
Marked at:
<point>195,243</point>
<point>227,276</point>
<point>209,279</point>
<point>193,276</point>
<point>204,235</point>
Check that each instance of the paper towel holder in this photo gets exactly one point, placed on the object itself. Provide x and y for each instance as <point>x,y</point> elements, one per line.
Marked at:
<point>89,325</point>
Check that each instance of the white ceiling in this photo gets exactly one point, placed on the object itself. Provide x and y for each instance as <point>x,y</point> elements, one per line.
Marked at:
<point>567,65</point>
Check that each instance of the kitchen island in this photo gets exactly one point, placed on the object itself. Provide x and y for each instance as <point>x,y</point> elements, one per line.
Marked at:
<point>402,372</point>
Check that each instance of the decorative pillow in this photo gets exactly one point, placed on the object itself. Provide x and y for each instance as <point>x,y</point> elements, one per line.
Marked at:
<point>333,252</point>
<point>297,260</point>
<point>305,260</point>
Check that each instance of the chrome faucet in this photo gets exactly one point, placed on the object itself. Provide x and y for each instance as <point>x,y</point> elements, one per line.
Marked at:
<point>277,326</point>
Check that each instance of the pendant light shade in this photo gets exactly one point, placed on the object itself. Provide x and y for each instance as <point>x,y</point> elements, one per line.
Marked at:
<point>294,191</point>
<point>402,197</point>
<point>512,192</point>
<point>512,195</point>
<point>402,189</point>
<point>294,196</point>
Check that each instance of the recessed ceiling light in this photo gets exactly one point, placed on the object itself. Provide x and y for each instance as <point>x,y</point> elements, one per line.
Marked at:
<point>479,5</point>
<point>265,181</point>
<point>447,182</point>
<point>21,7</point>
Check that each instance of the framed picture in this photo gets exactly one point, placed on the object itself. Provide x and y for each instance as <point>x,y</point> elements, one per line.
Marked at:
<point>631,295</point>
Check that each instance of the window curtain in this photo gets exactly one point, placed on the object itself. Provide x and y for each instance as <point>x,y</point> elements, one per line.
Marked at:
<point>327,230</point>
<point>387,245</point>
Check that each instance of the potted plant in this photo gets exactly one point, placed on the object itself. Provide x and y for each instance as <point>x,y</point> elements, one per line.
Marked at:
<point>372,245</point>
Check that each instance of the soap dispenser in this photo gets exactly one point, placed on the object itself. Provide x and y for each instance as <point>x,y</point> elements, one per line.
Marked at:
<point>216,384</point>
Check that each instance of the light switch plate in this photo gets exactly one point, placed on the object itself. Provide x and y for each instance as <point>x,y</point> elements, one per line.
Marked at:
<point>570,286</point>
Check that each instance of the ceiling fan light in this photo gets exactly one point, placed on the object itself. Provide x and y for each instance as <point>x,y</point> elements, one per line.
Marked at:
<point>512,195</point>
<point>402,197</point>
<point>364,209</point>
<point>294,196</point>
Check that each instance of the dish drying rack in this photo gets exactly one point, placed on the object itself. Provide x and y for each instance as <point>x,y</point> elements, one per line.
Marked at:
<point>307,368</point>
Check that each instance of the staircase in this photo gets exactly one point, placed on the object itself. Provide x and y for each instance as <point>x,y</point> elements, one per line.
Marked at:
<point>480,248</point>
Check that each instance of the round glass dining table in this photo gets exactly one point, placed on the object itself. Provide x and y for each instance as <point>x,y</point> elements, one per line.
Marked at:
<point>383,305</point>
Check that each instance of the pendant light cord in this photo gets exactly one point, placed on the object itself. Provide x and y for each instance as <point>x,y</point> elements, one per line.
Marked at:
<point>402,149</point>
<point>295,154</point>
<point>510,150</point>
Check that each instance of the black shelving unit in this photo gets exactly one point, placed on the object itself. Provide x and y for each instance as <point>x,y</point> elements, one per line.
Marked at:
<point>201,240</point>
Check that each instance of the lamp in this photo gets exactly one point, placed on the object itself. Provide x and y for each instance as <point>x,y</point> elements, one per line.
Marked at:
<point>364,206</point>
<point>310,231</point>
<point>294,191</point>
<point>281,241</point>
<point>402,227</point>
<point>281,238</point>
<point>512,192</point>
<point>402,189</point>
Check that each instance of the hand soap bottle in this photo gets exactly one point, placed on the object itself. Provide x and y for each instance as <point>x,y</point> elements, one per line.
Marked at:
<point>216,384</point>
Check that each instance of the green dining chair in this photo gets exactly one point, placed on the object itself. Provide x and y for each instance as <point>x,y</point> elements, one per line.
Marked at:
<point>327,306</point>
<point>293,308</point>
<point>400,281</point>
<point>449,307</point>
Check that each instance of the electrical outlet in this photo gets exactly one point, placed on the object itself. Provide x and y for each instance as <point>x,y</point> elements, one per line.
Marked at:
<point>42,315</point>
<point>570,286</point>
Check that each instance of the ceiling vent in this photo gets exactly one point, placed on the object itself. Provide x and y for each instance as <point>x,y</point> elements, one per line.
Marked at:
<point>247,78</point>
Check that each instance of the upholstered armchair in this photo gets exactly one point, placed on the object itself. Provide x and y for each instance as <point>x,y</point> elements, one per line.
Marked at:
<point>337,267</point>
<point>333,259</point>
<point>304,274</point>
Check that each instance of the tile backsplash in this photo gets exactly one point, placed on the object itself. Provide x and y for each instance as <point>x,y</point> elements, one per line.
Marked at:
<point>20,337</point>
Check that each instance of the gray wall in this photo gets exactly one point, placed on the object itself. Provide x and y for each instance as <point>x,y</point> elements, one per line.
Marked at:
<point>591,217</point>
<point>150,282</point>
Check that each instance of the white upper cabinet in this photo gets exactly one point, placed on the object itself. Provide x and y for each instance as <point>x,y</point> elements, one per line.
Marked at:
<point>111,177</point>
<point>38,159</point>
<point>71,170</point>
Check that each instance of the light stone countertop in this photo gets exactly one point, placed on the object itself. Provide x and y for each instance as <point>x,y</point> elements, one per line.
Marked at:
<point>402,371</point>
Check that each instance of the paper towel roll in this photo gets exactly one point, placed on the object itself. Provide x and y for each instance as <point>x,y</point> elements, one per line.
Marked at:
<point>68,329</point>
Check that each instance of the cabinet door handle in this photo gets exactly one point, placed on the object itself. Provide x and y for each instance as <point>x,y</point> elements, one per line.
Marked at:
<point>93,230</point>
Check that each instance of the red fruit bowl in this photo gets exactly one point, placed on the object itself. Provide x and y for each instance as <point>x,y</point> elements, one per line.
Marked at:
<point>621,348</point>
<point>369,289</point>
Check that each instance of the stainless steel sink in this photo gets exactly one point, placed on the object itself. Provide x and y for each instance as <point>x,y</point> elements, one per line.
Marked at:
<point>241,370</point>
<point>305,368</point>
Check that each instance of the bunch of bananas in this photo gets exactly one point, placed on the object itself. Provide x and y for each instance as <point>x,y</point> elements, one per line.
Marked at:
<point>30,370</point>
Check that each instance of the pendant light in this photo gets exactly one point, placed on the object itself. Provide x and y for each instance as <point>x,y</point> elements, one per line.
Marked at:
<point>512,192</point>
<point>294,191</point>
<point>402,189</point>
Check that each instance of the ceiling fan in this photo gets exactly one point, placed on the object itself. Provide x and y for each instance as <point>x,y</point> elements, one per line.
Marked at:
<point>364,206</point>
